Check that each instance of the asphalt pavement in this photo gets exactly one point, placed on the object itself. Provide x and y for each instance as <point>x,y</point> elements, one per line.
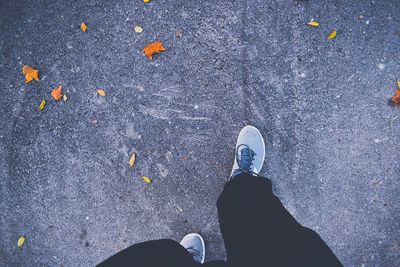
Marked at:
<point>332,136</point>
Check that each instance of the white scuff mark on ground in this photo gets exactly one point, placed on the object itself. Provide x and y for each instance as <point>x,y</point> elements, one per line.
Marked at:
<point>168,113</point>
<point>377,140</point>
<point>162,170</point>
<point>131,133</point>
<point>168,156</point>
<point>194,118</point>
<point>158,114</point>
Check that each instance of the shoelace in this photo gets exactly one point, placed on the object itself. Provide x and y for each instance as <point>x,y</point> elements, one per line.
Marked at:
<point>245,159</point>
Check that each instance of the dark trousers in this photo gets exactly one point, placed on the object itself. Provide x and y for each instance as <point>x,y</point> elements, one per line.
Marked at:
<point>257,231</point>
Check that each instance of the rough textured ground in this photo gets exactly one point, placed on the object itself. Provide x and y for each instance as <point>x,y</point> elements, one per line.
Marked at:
<point>332,139</point>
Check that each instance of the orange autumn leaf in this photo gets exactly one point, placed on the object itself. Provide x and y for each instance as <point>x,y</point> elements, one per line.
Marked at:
<point>153,48</point>
<point>101,92</point>
<point>83,27</point>
<point>30,73</point>
<point>396,98</point>
<point>57,93</point>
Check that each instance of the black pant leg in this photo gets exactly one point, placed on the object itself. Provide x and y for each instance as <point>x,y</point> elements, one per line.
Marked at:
<point>158,253</point>
<point>259,231</point>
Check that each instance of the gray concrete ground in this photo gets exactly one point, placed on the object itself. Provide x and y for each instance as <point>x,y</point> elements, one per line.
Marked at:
<point>332,139</point>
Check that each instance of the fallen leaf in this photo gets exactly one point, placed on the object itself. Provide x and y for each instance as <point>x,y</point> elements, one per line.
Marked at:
<point>396,98</point>
<point>57,93</point>
<point>65,98</point>
<point>21,241</point>
<point>101,92</point>
<point>313,23</point>
<point>146,179</point>
<point>30,73</point>
<point>132,160</point>
<point>331,35</point>
<point>153,48</point>
<point>42,104</point>
<point>83,27</point>
<point>184,158</point>
<point>146,1</point>
<point>178,34</point>
<point>138,29</point>
<point>398,84</point>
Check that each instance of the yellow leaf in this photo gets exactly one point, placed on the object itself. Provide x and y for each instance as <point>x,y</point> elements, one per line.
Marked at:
<point>30,73</point>
<point>101,92</point>
<point>21,241</point>
<point>138,29</point>
<point>398,84</point>
<point>42,104</point>
<point>313,23</point>
<point>146,179</point>
<point>132,160</point>
<point>146,1</point>
<point>65,98</point>
<point>331,35</point>
<point>83,27</point>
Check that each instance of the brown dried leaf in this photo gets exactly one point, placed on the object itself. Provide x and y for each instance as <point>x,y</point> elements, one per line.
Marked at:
<point>396,98</point>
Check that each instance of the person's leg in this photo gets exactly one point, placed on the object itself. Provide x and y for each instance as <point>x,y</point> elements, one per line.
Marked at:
<point>259,231</point>
<point>256,227</point>
<point>158,253</point>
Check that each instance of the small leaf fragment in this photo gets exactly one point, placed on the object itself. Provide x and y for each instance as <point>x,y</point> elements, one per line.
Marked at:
<point>132,160</point>
<point>57,93</point>
<point>331,35</point>
<point>396,98</point>
<point>84,27</point>
<point>146,179</point>
<point>65,98</point>
<point>30,73</point>
<point>153,48</point>
<point>185,158</point>
<point>398,84</point>
<point>21,241</point>
<point>178,34</point>
<point>42,104</point>
<point>138,29</point>
<point>313,23</point>
<point>101,92</point>
<point>146,1</point>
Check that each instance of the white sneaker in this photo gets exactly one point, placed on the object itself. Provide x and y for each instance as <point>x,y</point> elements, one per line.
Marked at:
<point>250,152</point>
<point>194,244</point>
